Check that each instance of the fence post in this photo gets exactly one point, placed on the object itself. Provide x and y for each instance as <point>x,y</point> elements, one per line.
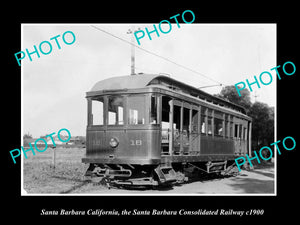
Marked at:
<point>54,157</point>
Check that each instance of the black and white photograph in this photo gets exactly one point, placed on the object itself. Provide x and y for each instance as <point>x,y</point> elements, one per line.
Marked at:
<point>158,116</point>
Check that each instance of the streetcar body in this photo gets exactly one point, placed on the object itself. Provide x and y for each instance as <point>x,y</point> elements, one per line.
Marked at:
<point>144,129</point>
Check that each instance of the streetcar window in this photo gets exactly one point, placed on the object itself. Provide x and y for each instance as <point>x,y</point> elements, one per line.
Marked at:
<point>136,110</point>
<point>97,111</point>
<point>240,131</point>
<point>194,121</point>
<point>165,122</point>
<point>245,133</point>
<point>153,110</point>
<point>231,126</point>
<point>203,123</point>
<point>186,122</point>
<point>165,111</point>
<point>209,112</point>
<point>218,123</point>
<point>236,130</point>
<point>203,127</point>
<point>209,125</point>
<point>115,110</point>
<point>209,122</point>
<point>176,118</point>
<point>226,126</point>
<point>218,127</point>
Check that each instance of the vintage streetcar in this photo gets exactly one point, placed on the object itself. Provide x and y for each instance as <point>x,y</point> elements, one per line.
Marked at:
<point>147,129</point>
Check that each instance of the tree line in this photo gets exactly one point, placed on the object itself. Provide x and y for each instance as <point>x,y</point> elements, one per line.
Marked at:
<point>261,113</point>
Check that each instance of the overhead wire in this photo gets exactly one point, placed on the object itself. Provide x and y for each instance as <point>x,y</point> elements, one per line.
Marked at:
<point>159,56</point>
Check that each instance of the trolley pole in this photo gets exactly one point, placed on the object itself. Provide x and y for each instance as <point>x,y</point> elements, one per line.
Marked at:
<point>131,31</point>
<point>132,56</point>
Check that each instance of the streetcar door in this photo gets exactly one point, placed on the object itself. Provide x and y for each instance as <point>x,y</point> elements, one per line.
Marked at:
<point>181,127</point>
<point>195,130</point>
<point>237,137</point>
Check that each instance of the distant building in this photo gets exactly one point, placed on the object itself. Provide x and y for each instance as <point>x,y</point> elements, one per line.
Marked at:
<point>76,140</point>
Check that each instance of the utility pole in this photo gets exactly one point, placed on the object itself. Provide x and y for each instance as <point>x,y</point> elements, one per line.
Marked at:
<point>131,31</point>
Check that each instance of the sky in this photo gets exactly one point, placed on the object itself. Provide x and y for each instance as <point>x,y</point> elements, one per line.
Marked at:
<point>54,86</point>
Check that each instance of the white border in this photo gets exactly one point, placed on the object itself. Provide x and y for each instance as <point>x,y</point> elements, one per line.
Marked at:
<point>24,192</point>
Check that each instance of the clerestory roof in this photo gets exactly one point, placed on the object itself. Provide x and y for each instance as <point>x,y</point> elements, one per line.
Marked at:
<point>146,80</point>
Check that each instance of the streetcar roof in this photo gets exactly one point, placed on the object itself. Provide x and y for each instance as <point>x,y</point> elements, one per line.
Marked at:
<point>125,82</point>
<point>148,80</point>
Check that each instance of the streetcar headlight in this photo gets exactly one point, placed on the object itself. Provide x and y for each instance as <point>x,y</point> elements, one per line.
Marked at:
<point>114,142</point>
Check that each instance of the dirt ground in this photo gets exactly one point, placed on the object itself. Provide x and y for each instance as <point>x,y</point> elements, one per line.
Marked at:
<point>39,177</point>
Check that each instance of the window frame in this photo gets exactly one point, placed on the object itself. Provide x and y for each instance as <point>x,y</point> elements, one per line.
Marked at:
<point>158,108</point>
<point>218,116</point>
<point>203,120</point>
<point>210,118</point>
<point>91,116</point>
<point>117,117</point>
<point>215,127</point>
<point>146,103</point>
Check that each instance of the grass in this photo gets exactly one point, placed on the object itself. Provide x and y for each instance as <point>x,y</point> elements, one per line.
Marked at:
<point>39,176</point>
